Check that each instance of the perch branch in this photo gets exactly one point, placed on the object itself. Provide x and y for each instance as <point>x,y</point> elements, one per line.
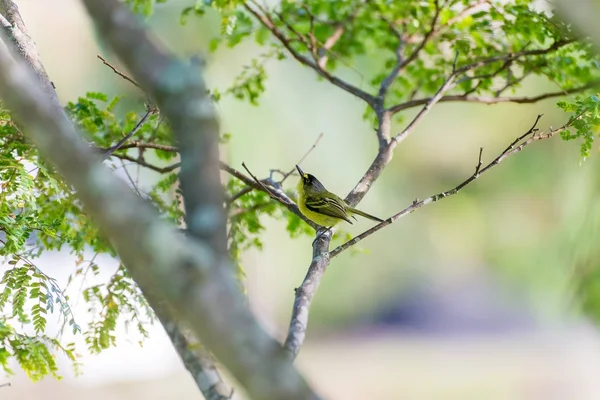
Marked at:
<point>305,293</point>
<point>321,258</point>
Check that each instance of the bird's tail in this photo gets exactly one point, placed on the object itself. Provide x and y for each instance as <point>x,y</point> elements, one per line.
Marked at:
<point>364,214</point>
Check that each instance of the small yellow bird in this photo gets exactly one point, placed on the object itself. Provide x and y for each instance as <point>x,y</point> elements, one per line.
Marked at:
<point>321,206</point>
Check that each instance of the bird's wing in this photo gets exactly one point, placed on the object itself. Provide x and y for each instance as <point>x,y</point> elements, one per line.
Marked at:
<point>328,205</point>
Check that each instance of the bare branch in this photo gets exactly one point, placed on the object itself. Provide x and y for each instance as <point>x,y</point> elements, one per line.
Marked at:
<point>391,77</point>
<point>135,129</point>
<point>116,71</point>
<point>329,43</point>
<point>447,85</point>
<point>273,189</point>
<point>516,146</point>
<point>314,146</point>
<point>145,164</point>
<point>321,258</point>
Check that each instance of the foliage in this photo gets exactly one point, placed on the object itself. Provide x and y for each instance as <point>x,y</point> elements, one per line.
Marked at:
<point>28,296</point>
<point>432,35</point>
<point>586,110</point>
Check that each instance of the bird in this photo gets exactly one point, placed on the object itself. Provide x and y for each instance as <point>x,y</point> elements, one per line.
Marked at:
<point>323,207</point>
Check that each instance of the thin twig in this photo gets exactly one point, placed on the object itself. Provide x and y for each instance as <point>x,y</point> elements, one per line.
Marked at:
<point>267,190</point>
<point>116,71</point>
<point>142,145</point>
<point>143,163</point>
<point>239,194</point>
<point>447,85</point>
<point>135,129</point>
<point>276,193</point>
<point>287,175</point>
<point>129,178</point>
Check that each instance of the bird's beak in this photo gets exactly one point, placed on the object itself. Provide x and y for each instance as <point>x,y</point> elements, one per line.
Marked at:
<point>300,171</point>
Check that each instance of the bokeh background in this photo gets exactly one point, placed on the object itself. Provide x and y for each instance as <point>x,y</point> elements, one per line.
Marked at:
<point>473,297</point>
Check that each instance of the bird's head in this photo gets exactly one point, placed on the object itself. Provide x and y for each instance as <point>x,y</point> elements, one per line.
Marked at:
<point>309,182</point>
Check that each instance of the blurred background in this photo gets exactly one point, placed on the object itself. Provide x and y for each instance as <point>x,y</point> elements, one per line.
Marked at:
<point>473,297</point>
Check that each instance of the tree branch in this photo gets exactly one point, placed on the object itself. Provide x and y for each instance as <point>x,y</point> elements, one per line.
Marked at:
<point>321,257</point>
<point>492,99</point>
<point>505,58</point>
<point>447,85</point>
<point>403,63</point>
<point>141,145</point>
<point>516,146</point>
<point>273,189</point>
<point>197,360</point>
<point>135,129</point>
<point>116,71</point>
<point>145,164</point>
<point>305,293</point>
<point>200,366</point>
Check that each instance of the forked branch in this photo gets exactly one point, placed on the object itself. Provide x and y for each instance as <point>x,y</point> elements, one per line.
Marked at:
<point>321,258</point>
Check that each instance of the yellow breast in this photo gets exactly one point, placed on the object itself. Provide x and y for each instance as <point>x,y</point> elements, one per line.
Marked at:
<point>317,218</point>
